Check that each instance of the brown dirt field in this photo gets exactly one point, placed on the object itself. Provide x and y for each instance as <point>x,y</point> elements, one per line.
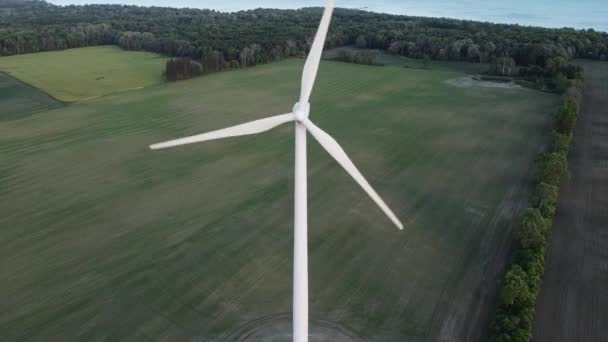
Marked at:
<point>573,305</point>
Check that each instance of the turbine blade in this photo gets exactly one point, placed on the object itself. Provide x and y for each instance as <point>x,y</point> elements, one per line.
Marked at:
<point>249,128</point>
<point>333,148</point>
<point>314,57</point>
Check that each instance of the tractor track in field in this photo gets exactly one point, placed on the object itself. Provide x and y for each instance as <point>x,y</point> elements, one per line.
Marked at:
<point>573,305</point>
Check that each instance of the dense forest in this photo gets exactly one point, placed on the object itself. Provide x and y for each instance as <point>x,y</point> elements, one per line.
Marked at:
<point>230,40</point>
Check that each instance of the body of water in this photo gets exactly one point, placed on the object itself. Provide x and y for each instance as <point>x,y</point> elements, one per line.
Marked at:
<point>548,13</point>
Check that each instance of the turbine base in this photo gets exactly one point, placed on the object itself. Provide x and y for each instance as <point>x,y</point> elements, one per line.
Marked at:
<point>278,328</point>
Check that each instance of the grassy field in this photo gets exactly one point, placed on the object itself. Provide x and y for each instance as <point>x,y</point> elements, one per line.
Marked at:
<point>18,100</point>
<point>401,61</point>
<point>80,74</point>
<point>103,239</point>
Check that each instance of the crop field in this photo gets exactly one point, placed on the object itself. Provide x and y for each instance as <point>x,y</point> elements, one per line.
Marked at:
<point>18,100</point>
<point>81,74</point>
<point>573,305</point>
<point>104,239</point>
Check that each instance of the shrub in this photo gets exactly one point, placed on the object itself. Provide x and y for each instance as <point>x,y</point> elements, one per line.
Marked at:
<point>532,260</point>
<point>182,69</point>
<point>515,288</point>
<point>567,115</point>
<point>560,83</point>
<point>361,42</point>
<point>532,229</point>
<point>345,56</point>
<point>561,143</point>
<point>555,166</point>
<point>502,66</point>
<point>368,57</point>
<point>513,325</point>
<point>545,199</point>
<point>575,92</point>
<point>426,62</point>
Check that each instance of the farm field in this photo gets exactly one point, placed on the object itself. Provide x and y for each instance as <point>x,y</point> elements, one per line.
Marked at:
<point>103,239</point>
<point>80,74</point>
<point>18,100</point>
<point>573,305</point>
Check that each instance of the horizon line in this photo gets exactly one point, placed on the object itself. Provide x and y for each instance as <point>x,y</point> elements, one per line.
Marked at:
<point>365,9</point>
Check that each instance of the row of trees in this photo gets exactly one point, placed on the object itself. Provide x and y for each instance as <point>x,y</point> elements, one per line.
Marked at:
<point>503,66</point>
<point>246,38</point>
<point>214,61</point>
<point>14,41</point>
<point>557,75</point>
<point>481,42</point>
<point>522,283</point>
<point>366,57</point>
<point>266,35</point>
<point>182,69</point>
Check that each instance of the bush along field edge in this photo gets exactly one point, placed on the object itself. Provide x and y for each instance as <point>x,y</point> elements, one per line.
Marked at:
<point>522,283</point>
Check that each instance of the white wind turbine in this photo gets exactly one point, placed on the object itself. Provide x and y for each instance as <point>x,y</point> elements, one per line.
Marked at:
<point>303,124</point>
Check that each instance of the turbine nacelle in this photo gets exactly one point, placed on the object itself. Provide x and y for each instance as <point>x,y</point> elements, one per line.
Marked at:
<point>301,112</point>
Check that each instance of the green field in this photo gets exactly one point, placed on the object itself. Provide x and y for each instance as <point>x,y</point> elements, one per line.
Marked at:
<point>18,100</point>
<point>103,239</point>
<point>81,74</point>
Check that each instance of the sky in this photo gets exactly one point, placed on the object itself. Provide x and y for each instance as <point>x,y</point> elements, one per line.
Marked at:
<point>547,13</point>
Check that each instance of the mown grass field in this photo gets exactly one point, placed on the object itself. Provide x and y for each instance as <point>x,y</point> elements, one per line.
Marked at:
<point>102,238</point>
<point>80,74</point>
<point>18,99</point>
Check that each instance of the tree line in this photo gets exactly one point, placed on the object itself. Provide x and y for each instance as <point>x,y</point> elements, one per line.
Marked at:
<point>523,281</point>
<point>365,57</point>
<point>230,40</point>
<point>182,69</point>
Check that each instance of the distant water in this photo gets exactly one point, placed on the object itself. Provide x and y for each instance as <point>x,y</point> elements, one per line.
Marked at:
<point>547,13</point>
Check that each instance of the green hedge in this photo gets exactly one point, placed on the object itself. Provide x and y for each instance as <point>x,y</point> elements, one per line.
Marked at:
<point>554,167</point>
<point>561,142</point>
<point>523,281</point>
<point>532,229</point>
<point>545,199</point>
<point>566,117</point>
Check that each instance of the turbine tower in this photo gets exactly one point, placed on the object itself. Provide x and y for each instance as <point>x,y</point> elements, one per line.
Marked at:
<point>299,115</point>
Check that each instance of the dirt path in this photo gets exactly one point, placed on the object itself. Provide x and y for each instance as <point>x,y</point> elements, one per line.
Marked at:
<point>574,302</point>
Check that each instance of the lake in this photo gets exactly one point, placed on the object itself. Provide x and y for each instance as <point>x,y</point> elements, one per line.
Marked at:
<point>547,13</point>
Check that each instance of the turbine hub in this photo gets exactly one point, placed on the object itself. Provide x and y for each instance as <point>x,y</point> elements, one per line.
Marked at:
<point>301,112</point>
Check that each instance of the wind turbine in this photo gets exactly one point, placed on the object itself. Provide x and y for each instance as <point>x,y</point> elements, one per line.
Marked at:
<point>299,115</point>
